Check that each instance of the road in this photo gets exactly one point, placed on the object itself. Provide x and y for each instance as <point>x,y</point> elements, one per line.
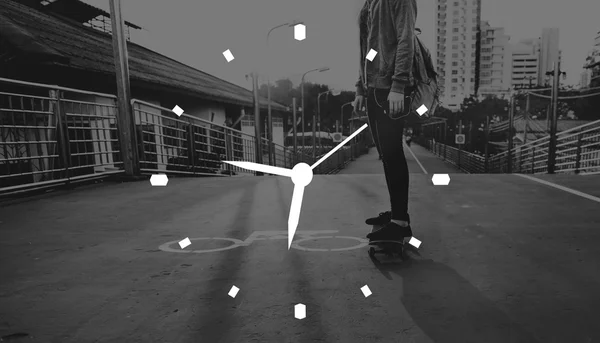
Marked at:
<point>503,259</point>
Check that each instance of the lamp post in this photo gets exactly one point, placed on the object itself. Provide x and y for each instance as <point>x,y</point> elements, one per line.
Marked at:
<point>334,93</point>
<point>320,70</point>
<point>342,116</point>
<point>555,73</point>
<point>257,121</point>
<point>511,118</point>
<point>269,116</point>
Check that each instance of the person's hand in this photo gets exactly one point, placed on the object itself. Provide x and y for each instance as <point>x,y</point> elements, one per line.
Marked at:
<point>359,103</point>
<point>396,101</point>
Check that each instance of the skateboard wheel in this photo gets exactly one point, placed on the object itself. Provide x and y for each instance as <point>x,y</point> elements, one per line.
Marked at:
<point>371,251</point>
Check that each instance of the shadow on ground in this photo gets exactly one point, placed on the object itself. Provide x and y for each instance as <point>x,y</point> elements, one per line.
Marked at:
<point>447,308</point>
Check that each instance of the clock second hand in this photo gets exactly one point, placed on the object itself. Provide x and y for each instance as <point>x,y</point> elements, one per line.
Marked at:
<point>339,146</point>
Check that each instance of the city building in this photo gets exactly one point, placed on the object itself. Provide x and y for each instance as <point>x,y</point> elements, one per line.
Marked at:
<point>584,81</point>
<point>495,62</point>
<point>525,63</point>
<point>458,40</point>
<point>592,64</point>
<point>549,53</point>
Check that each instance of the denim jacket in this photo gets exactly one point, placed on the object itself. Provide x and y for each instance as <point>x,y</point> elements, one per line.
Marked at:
<point>388,27</point>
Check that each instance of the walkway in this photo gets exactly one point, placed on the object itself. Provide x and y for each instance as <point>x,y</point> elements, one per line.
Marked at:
<point>503,259</point>
<point>419,160</point>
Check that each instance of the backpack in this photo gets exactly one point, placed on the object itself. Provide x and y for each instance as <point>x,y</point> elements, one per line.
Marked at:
<point>425,90</point>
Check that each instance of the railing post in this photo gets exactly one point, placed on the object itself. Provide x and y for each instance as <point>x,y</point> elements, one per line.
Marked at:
<point>533,160</point>
<point>62,134</point>
<point>229,149</point>
<point>486,162</point>
<point>191,147</point>
<point>445,152</point>
<point>520,157</point>
<point>578,158</point>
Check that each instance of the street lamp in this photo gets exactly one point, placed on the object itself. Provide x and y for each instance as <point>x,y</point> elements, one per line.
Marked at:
<point>269,116</point>
<point>320,70</point>
<point>334,93</point>
<point>342,115</point>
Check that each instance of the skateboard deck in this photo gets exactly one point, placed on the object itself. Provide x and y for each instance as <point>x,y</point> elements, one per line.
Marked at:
<point>386,247</point>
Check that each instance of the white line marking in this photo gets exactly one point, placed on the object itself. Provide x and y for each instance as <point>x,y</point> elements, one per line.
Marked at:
<point>562,188</point>
<point>415,157</point>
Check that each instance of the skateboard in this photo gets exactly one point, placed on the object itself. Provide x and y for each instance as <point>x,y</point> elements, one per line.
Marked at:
<point>387,247</point>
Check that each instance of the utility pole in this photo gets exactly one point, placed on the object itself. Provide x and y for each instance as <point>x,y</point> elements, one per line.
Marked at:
<point>526,115</point>
<point>257,121</point>
<point>554,119</point>
<point>460,146</point>
<point>302,109</point>
<point>487,140</point>
<point>295,129</point>
<point>315,127</point>
<point>511,118</point>
<point>125,118</point>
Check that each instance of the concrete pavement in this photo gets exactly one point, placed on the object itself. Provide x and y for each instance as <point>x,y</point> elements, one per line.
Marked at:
<point>503,259</point>
<point>419,160</point>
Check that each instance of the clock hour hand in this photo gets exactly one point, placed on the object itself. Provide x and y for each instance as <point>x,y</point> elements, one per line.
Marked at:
<point>262,168</point>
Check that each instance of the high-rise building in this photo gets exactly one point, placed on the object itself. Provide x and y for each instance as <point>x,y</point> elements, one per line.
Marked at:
<point>525,63</point>
<point>457,31</point>
<point>549,53</point>
<point>495,62</point>
<point>584,81</point>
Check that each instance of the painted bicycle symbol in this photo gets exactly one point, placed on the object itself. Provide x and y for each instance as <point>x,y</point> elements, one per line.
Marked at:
<point>264,236</point>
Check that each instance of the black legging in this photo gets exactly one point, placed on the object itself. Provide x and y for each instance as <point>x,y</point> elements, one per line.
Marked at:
<point>388,135</point>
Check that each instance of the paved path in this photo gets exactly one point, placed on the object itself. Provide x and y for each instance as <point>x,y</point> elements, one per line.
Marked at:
<point>503,259</point>
<point>420,161</point>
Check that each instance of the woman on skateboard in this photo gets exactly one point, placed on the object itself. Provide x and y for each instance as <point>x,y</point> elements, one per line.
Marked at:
<point>388,27</point>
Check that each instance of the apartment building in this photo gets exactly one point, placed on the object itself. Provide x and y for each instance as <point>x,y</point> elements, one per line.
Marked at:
<point>525,63</point>
<point>458,40</point>
<point>548,54</point>
<point>495,62</point>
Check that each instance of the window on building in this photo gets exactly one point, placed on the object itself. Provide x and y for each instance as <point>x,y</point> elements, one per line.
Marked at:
<point>454,55</point>
<point>454,80</point>
<point>455,13</point>
<point>454,64</point>
<point>455,46</point>
<point>454,89</point>
<point>454,38</point>
<point>455,21</point>
<point>454,72</point>
<point>455,29</point>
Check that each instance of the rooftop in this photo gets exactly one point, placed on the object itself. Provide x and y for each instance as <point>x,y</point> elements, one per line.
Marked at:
<point>53,39</point>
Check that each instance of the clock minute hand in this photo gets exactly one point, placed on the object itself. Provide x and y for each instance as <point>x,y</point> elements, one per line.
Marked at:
<point>262,168</point>
<point>295,208</point>
<point>339,146</point>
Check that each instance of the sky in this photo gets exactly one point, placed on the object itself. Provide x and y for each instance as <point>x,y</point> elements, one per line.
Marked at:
<point>197,32</point>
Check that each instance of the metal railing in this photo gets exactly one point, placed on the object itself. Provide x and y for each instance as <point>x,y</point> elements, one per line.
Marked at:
<point>577,151</point>
<point>51,135</point>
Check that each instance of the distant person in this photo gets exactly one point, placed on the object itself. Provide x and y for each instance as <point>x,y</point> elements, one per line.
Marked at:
<point>388,27</point>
